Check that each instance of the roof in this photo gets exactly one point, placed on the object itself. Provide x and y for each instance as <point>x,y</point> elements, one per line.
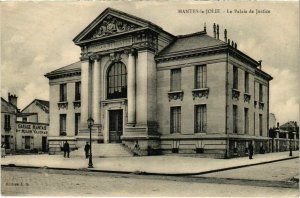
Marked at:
<point>72,66</point>
<point>43,104</point>
<point>8,103</point>
<point>191,42</point>
<point>118,13</point>
<point>289,126</point>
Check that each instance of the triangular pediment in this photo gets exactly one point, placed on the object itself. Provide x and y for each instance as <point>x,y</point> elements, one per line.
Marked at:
<point>110,22</point>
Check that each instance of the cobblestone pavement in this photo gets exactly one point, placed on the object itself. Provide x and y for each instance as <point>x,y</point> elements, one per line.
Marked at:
<point>20,181</point>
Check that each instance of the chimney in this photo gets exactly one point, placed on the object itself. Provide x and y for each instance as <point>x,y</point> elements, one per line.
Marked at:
<point>205,27</point>
<point>13,99</point>
<point>232,43</point>
<point>277,125</point>
<point>225,35</point>
<point>259,66</point>
<point>214,30</point>
<point>218,31</point>
<point>228,41</point>
<point>235,45</point>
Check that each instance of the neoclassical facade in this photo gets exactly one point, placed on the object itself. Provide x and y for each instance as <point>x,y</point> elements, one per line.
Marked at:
<point>190,94</point>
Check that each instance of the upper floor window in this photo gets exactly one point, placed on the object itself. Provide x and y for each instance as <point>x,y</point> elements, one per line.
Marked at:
<point>246,82</point>
<point>200,118</point>
<point>175,79</point>
<point>235,77</point>
<point>235,118</point>
<point>77,90</point>
<point>24,119</point>
<point>77,121</point>
<point>260,93</point>
<point>246,120</point>
<point>117,81</point>
<point>63,92</point>
<point>7,122</point>
<point>175,119</point>
<point>260,125</point>
<point>62,124</point>
<point>201,77</point>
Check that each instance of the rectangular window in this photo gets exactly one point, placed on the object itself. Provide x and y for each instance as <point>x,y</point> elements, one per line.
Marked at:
<point>246,82</point>
<point>62,124</point>
<point>260,93</point>
<point>260,125</point>
<point>77,90</point>
<point>77,121</point>
<point>175,119</point>
<point>235,77</point>
<point>7,122</point>
<point>246,121</point>
<point>254,123</point>
<point>63,92</point>
<point>175,79</point>
<point>201,77</point>
<point>235,119</point>
<point>27,142</point>
<point>200,118</point>
<point>24,119</point>
<point>7,141</point>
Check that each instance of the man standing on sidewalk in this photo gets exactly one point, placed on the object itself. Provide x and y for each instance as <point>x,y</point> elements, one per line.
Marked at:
<point>66,149</point>
<point>250,147</point>
<point>87,150</point>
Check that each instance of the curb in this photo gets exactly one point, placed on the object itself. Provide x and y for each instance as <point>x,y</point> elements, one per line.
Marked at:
<point>148,173</point>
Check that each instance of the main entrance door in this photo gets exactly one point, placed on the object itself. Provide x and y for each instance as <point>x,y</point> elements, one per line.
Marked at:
<point>115,126</point>
<point>44,144</point>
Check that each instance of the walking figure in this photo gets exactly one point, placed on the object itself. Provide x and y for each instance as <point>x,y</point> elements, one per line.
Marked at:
<point>87,149</point>
<point>136,145</point>
<point>250,147</point>
<point>66,149</point>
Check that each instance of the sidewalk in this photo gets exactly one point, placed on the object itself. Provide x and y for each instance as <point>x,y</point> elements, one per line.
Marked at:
<point>162,165</point>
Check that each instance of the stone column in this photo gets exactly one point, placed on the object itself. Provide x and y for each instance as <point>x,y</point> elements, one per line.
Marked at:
<point>85,67</point>
<point>96,89</point>
<point>131,95</point>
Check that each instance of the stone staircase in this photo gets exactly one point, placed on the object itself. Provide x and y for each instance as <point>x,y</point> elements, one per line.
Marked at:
<point>104,150</point>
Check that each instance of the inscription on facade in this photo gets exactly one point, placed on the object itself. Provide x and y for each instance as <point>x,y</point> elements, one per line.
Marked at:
<point>32,128</point>
<point>110,45</point>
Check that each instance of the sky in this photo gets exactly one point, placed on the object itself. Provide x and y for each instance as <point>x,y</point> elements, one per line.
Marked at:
<point>36,38</point>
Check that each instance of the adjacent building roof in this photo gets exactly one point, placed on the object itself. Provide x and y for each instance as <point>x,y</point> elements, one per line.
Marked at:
<point>74,67</point>
<point>43,104</point>
<point>3,101</point>
<point>198,40</point>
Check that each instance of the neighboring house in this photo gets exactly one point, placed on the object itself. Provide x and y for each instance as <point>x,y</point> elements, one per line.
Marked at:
<point>8,123</point>
<point>189,94</point>
<point>36,111</point>
<point>32,126</point>
<point>291,128</point>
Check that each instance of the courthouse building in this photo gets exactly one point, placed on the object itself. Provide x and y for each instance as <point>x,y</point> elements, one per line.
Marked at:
<point>189,94</point>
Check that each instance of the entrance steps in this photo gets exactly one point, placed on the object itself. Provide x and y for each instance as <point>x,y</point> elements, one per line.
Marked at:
<point>104,150</point>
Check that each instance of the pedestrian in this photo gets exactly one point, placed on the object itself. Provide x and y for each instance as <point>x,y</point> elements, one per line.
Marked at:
<point>136,145</point>
<point>87,149</point>
<point>3,146</point>
<point>66,149</point>
<point>250,147</point>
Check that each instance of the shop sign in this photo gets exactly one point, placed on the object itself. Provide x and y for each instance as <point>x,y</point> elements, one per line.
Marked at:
<point>26,128</point>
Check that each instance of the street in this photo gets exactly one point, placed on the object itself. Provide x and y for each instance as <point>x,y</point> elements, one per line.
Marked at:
<point>40,181</point>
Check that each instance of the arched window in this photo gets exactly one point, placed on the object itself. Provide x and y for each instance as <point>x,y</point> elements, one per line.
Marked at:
<point>117,81</point>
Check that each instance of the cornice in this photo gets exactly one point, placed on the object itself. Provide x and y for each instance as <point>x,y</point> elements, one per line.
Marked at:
<point>63,74</point>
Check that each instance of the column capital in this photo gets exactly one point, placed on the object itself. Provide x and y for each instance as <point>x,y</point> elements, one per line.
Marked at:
<point>132,51</point>
<point>95,57</point>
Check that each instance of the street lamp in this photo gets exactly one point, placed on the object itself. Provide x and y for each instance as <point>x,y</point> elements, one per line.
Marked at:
<point>90,123</point>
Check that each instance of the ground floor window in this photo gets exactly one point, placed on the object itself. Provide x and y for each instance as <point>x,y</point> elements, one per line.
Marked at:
<point>7,141</point>
<point>175,119</point>
<point>200,118</point>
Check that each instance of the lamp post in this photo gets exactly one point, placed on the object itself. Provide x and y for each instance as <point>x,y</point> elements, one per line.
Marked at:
<point>90,123</point>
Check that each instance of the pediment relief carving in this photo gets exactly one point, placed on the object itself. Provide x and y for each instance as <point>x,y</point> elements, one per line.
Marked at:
<point>112,25</point>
